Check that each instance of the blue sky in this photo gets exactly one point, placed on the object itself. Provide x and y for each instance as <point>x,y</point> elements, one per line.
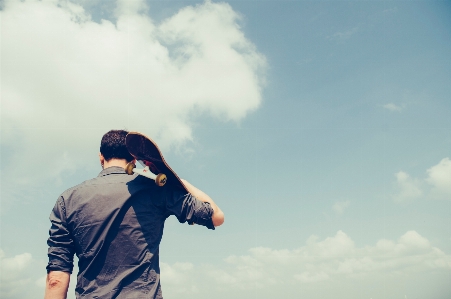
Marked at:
<point>322,130</point>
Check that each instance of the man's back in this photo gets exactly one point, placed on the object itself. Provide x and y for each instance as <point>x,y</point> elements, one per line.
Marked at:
<point>114,223</point>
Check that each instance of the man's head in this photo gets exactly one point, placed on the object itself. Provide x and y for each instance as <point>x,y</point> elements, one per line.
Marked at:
<point>113,146</point>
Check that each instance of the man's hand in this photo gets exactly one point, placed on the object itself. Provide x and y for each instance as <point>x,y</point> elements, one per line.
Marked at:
<point>56,285</point>
<point>218,216</point>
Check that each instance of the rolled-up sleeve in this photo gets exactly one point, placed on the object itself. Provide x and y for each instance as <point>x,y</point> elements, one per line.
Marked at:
<point>188,208</point>
<point>61,245</point>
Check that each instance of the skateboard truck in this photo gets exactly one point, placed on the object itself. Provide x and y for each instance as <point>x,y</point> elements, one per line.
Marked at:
<point>160,179</point>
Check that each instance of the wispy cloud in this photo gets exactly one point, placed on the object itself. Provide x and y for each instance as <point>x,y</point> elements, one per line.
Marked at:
<point>393,107</point>
<point>390,10</point>
<point>339,207</point>
<point>343,35</point>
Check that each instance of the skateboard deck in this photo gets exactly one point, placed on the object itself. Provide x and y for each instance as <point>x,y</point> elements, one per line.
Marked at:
<point>146,151</point>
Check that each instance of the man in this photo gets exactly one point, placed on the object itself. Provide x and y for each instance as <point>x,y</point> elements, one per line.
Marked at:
<point>114,224</point>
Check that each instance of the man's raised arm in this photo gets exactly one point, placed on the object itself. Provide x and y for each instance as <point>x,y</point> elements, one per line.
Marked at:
<point>218,216</point>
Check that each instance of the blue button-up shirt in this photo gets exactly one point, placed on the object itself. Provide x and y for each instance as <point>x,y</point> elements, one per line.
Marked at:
<point>114,224</point>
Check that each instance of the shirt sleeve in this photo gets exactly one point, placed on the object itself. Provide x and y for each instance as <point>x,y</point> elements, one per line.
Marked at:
<point>61,245</point>
<point>188,208</point>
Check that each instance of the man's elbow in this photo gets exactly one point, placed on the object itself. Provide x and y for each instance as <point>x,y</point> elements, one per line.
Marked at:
<point>57,280</point>
<point>218,218</point>
<point>55,283</point>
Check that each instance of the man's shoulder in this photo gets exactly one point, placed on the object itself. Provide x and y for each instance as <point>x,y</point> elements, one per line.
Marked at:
<point>85,184</point>
<point>82,185</point>
<point>104,182</point>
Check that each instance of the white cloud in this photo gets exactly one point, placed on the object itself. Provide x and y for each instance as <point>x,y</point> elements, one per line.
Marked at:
<point>408,187</point>
<point>21,277</point>
<point>339,207</point>
<point>15,264</point>
<point>439,176</point>
<point>177,272</point>
<point>179,277</point>
<point>390,10</point>
<point>338,255</point>
<point>393,107</point>
<point>66,79</point>
<point>335,261</point>
<point>344,35</point>
<point>13,274</point>
<point>41,281</point>
<point>307,277</point>
<point>332,262</point>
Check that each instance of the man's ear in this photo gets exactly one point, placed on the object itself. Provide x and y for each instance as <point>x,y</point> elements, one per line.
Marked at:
<point>102,159</point>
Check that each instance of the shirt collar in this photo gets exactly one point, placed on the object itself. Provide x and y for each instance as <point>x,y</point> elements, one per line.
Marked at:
<point>112,170</point>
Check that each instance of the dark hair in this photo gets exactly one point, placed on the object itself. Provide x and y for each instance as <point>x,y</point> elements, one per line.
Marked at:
<point>113,146</point>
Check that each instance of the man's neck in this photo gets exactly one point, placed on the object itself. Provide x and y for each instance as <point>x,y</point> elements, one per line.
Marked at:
<point>115,162</point>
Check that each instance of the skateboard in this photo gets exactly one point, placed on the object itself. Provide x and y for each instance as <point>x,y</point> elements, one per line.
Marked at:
<point>147,153</point>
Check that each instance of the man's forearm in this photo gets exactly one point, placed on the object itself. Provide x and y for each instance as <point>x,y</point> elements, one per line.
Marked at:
<point>218,215</point>
<point>56,285</point>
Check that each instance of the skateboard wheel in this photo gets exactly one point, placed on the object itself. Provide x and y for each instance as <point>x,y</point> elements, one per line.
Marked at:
<point>129,168</point>
<point>161,179</point>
